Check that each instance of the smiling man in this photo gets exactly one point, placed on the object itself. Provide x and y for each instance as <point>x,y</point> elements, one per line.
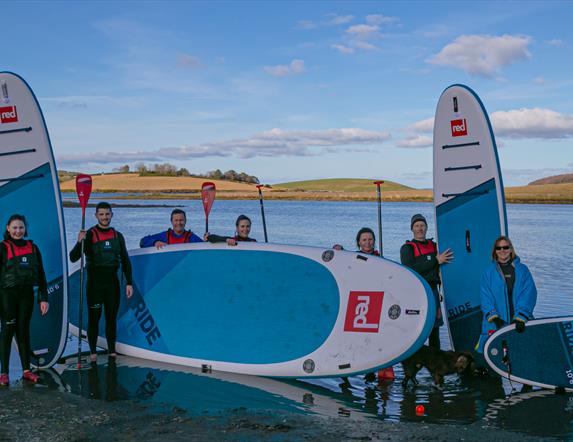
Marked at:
<point>175,235</point>
<point>421,255</point>
<point>105,252</point>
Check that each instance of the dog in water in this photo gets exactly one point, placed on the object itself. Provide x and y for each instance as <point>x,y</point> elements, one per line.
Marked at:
<point>438,362</point>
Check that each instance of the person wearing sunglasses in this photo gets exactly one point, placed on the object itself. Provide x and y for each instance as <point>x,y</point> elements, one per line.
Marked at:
<point>507,291</point>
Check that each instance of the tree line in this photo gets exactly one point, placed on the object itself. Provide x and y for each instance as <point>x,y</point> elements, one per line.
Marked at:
<point>166,169</point>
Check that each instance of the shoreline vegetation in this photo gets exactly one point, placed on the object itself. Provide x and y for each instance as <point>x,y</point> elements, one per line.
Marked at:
<point>344,189</point>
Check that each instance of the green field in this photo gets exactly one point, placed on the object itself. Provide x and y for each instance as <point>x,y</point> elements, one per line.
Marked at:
<point>339,185</point>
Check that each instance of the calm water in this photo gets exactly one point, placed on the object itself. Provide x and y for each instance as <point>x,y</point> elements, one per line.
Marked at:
<point>538,231</point>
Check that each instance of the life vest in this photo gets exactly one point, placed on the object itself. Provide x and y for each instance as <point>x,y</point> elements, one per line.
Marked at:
<point>420,249</point>
<point>22,265</point>
<point>172,239</point>
<point>106,249</point>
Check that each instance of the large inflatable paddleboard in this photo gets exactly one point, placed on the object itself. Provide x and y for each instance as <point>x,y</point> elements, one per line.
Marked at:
<point>271,310</point>
<point>469,203</point>
<point>29,186</point>
<point>540,356</point>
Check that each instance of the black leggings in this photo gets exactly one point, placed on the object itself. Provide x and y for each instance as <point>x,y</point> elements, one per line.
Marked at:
<point>102,292</point>
<point>16,307</point>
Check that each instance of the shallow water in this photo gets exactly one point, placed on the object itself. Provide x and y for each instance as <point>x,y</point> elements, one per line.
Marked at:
<point>538,231</point>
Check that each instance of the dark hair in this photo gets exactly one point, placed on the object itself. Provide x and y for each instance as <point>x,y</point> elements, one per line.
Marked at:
<point>364,230</point>
<point>178,212</point>
<point>496,242</point>
<point>242,218</point>
<point>103,205</point>
<point>15,217</point>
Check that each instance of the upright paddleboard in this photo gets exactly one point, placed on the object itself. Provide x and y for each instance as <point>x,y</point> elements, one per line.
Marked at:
<point>541,356</point>
<point>470,206</point>
<point>271,310</point>
<point>29,186</point>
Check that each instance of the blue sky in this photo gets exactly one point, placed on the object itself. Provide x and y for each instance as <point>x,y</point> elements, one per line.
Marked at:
<point>293,90</point>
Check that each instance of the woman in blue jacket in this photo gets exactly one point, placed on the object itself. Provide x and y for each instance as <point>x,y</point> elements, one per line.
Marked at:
<point>507,291</point>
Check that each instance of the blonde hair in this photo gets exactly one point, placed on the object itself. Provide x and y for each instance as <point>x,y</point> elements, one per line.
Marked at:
<point>497,241</point>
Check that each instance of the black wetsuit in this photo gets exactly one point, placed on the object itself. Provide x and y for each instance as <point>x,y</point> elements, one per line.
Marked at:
<point>105,252</point>
<point>216,238</point>
<point>17,298</point>
<point>421,256</point>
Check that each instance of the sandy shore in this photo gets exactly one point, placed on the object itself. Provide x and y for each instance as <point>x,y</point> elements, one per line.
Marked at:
<point>37,413</point>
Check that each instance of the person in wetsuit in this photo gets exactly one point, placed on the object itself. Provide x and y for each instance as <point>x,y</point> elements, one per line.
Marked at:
<point>421,255</point>
<point>176,235</point>
<point>21,270</point>
<point>105,252</point>
<point>507,291</point>
<point>243,229</point>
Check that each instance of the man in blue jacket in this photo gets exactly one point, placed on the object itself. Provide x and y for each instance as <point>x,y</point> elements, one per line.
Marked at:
<point>176,235</point>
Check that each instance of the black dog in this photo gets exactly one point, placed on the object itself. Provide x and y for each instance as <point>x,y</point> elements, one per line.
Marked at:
<point>438,362</point>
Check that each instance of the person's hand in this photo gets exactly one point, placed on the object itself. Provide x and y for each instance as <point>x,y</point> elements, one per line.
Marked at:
<point>231,241</point>
<point>128,291</point>
<point>81,235</point>
<point>44,307</point>
<point>499,323</point>
<point>445,257</point>
<point>519,326</point>
<point>337,247</point>
<point>159,244</point>
<point>206,236</point>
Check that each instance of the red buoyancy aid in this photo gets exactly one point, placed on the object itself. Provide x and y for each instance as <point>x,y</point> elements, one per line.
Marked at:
<point>421,249</point>
<point>172,239</point>
<point>22,265</point>
<point>106,248</point>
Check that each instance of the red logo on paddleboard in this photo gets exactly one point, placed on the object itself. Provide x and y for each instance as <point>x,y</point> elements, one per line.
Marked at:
<point>363,312</point>
<point>459,128</point>
<point>8,114</point>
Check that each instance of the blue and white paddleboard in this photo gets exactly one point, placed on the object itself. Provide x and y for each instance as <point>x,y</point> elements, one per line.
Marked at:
<point>470,206</point>
<point>271,310</point>
<point>541,356</point>
<point>29,186</point>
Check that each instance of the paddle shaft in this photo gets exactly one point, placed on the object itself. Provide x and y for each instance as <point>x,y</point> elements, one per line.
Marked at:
<point>379,193</point>
<point>263,213</point>
<point>81,303</point>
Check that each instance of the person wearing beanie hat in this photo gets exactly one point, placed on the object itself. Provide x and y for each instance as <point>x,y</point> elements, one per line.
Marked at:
<point>421,255</point>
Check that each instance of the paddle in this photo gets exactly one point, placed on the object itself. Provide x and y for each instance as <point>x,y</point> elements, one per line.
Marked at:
<point>208,197</point>
<point>378,183</point>
<point>263,211</point>
<point>83,189</point>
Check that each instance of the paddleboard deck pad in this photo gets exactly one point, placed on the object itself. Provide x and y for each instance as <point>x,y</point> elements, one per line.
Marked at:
<point>271,310</point>
<point>541,356</point>
<point>469,204</point>
<point>29,186</point>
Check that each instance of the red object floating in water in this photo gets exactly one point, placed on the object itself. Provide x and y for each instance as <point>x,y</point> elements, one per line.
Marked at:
<point>386,374</point>
<point>420,410</point>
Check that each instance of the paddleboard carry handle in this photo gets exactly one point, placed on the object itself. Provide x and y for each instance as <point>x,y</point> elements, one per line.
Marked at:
<point>11,131</point>
<point>455,104</point>
<point>468,242</point>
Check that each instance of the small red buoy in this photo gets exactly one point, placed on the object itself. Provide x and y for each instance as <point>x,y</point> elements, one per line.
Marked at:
<point>420,410</point>
<point>386,374</point>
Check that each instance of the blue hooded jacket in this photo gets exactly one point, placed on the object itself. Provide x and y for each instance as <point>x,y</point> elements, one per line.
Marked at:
<point>494,298</point>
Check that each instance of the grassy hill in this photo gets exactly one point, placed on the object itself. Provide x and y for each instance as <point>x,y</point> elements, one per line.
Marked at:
<point>555,179</point>
<point>340,185</point>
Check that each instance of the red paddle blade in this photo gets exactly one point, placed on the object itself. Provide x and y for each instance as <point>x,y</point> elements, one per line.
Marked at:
<point>83,189</point>
<point>208,196</point>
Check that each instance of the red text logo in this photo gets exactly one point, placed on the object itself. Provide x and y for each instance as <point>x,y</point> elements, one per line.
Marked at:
<point>363,312</point>
<point>459,128</point>
<point>8,114</point>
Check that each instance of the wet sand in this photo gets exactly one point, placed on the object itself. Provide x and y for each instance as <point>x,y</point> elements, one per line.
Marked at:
<point>41,412</point>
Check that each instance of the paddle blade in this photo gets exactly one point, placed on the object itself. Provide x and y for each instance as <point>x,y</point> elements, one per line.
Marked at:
<point>83,189</point>
<point>208,196</point>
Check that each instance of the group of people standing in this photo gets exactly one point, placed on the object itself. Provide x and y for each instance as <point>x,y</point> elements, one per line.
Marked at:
<point>508,293</point>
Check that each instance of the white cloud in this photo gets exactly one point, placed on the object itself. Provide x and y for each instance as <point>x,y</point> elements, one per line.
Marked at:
<point>273,143</point>
<point>362,31</point>
<point>296,67</point>
<point>365,45</point>
<point>483,55</point>
<point>415,141</point>
<point>426,125</point>
<point>335,19</point>
<point>343,49</point>
<point>379,19</point>
<point>532,123</point>
<point>556,42</point>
